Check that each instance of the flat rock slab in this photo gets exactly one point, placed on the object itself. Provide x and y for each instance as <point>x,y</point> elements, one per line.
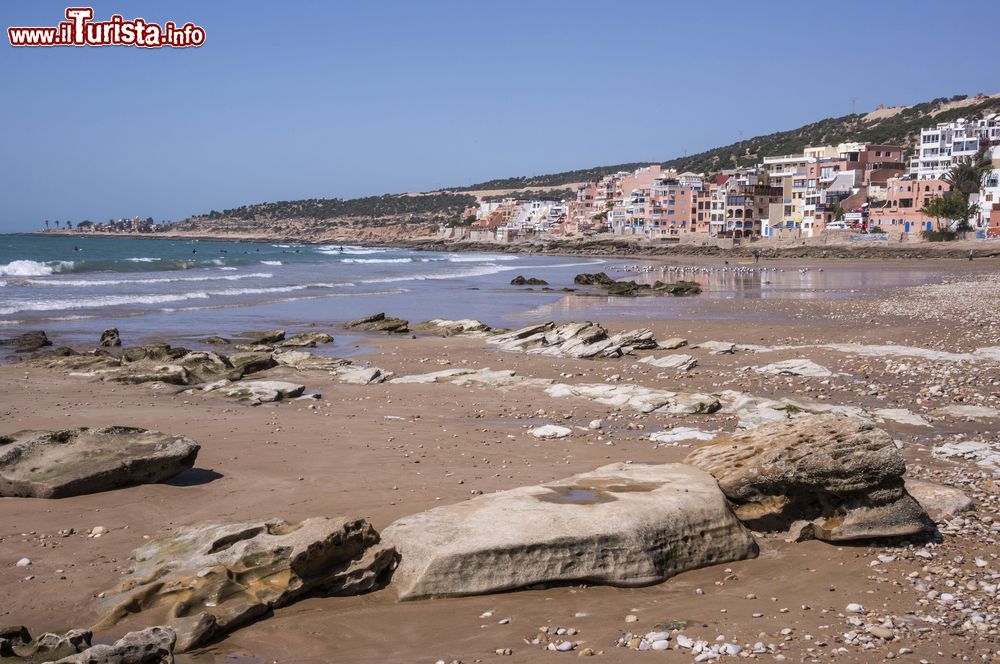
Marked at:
<point>841,473</point>
<point>796,367</point>
<point>209,579</point>
<point>967,412</point>
<point>679,362</point>
<point>621,525</point>
<point>262,391</point>
<point>718,347</point>
<point>679,434</point>
<point>939,501</point>
<point>57,464</point>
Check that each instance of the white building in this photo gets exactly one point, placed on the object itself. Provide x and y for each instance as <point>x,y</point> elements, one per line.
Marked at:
<point>942,146</point>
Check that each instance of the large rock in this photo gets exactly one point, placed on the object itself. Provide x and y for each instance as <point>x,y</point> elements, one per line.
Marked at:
<point>840,473</point>
<point>110,338</point>
<point>379,323</point>
<point>209,579</point>
<point>56,464</point>
<point>262,391</point>
<point>521,280</point>
<point>622,525</point>
<point>27,342</point>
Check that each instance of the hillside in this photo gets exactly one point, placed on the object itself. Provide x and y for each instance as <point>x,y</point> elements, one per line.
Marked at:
<point>899,126</point>
<point>392,215</point>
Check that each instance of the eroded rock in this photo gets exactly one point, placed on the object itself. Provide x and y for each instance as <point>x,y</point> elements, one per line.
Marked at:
<point>841,473</point>
<point>110,338</point>
<point>209,579</point>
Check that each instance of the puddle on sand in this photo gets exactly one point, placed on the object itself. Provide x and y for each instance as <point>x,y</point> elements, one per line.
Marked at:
<point>600,492</point>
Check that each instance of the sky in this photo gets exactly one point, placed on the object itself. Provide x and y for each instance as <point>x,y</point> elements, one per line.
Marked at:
<point>335,99</point>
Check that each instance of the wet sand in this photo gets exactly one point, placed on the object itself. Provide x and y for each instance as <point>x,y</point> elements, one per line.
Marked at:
<point>384,451</point>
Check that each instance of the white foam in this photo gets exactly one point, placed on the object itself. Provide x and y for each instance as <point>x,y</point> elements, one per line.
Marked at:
<point>377,260</point>
<point>88,283</point>
<point>480,258</point>
<point>29,268</point>
<point>123,300</point>
<point>271,263</point>
<point>143,259</point>
<point>337,249</point>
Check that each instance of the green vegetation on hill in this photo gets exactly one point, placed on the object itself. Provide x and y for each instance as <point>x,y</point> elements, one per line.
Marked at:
<point>388,205</point>
<point>538,195</point>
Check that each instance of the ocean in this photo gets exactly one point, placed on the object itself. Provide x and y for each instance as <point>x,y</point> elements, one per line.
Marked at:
<point>74,287</point>
<point>155,288</point>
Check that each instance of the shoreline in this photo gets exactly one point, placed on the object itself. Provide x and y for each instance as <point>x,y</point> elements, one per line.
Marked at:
<point>606,247</point>
<point>387,451</point>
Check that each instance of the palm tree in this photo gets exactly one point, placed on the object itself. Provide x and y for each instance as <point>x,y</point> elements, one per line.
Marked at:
<point>46,224</point>
<point>968,173</point>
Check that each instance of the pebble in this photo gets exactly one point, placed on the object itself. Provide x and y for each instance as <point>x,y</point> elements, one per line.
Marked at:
<point>23,562</point>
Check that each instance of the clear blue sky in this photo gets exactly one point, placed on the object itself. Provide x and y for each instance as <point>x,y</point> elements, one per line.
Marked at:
<point>323,99</point>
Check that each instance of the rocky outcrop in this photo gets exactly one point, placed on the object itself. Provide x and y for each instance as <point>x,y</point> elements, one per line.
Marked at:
<point>301,360</point>
<point>154,645</point>
<point>252,362</point>
<point>207,580</point>
<point>579,340</point>
<point>527,281</point>
<point>620,525</point>
<point>641,398</point>
<point>17,645</point>
<point>110,338</point>
<point>448,328</point>
<point>840,473</point>
<point>57,464</point>
<point>263,338</point>
<point>633,289</point>
<point>379,323</point>
<point>142,364</point>
<point>306,340</point>
<point>27,342</point>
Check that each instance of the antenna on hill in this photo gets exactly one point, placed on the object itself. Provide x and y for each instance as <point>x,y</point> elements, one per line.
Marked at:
<point>854,101</point>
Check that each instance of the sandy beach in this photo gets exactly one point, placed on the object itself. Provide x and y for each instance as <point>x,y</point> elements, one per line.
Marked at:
<point>385,451</point>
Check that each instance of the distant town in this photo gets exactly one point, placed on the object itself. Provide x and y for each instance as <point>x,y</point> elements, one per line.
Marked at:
<point>949,187</point>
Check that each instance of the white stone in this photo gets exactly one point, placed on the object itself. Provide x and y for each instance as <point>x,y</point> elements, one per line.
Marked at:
<point>550,431</point>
